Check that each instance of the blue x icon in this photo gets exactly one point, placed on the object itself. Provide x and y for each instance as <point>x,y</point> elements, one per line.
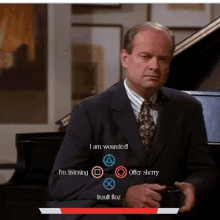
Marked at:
<point>109,184</point>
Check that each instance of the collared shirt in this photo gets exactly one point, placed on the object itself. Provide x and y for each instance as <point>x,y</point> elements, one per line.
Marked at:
<point>136,102</point>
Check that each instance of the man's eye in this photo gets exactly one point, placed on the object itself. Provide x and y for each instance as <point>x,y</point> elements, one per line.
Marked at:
<point>146,57</point>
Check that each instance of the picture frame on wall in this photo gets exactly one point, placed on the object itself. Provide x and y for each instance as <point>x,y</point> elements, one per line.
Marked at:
<point>181,15</point>
<point>98,5</point>
<point>23,64</point>
<point>23,52</point>
<point>95,58</point>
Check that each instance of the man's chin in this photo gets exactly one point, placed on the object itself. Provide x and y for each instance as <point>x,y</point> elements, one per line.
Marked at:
<point>155,86</point>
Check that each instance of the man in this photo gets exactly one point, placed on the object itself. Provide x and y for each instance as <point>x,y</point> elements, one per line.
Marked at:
<point>163,129</point>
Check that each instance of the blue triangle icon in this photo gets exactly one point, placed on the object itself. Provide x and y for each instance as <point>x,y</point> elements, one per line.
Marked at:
<point>109,160</point>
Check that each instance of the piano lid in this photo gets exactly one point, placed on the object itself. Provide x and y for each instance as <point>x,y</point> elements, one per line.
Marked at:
<point>199,35</point>
<point>196,61</point>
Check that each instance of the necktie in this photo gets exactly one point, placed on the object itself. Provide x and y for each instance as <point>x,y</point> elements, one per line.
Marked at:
<point>146,125</point>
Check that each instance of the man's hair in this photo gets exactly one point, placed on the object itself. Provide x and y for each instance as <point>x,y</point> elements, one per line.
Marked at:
<point>130,34</point>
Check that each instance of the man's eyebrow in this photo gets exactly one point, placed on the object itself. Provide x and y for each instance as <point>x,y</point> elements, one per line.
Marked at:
<point>145,52</point>
<point>148,53</point>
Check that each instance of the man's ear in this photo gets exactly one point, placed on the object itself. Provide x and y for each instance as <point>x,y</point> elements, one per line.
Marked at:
<point>124,58</point>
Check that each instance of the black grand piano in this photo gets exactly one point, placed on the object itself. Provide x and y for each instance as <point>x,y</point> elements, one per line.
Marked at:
<point>27,190</point>
<point>195,67</point>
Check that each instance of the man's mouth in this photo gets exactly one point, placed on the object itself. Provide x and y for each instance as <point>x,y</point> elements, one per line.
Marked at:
<point>152,76</point>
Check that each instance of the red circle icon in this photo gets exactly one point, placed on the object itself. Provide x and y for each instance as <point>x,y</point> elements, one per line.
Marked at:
<point>121,172</point>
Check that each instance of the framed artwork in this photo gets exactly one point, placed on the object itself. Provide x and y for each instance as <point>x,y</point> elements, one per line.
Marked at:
<point>23,47</point>
<point>95,58</point>
<point>98,5</point>
<point>181,15</point>
<point>85,79</point>
<point>23,63</point>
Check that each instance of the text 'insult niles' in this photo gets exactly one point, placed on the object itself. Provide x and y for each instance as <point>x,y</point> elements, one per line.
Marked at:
<point>108,197</point>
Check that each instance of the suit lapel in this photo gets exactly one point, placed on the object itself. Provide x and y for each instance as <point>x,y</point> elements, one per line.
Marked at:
<point>124,118</point>
<point>165,122</point>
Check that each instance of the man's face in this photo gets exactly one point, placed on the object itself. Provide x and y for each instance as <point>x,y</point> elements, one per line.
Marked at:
<point>148,65</point>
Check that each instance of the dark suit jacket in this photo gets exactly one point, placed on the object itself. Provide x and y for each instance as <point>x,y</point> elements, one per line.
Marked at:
<point>179,150</point>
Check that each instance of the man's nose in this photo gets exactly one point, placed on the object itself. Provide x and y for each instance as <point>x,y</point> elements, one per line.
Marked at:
<point>153,64</point>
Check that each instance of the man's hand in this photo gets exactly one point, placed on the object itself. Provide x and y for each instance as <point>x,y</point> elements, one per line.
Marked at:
<point>189,192</point>
<point>143,196</point>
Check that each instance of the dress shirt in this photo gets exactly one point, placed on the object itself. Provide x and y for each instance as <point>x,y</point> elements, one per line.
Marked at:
<point>136,102</point>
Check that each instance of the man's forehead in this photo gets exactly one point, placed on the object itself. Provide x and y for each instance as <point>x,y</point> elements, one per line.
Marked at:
<point>149,33</point>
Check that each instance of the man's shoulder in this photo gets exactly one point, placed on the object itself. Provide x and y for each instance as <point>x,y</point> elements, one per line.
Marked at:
<point>180,97</point>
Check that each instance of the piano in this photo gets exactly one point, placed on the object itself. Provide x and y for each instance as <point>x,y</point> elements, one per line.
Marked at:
<point>194,69</point>
<point>27,190</point>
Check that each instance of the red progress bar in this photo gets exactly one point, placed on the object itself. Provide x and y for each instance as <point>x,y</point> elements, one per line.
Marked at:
<point>109,210</point>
